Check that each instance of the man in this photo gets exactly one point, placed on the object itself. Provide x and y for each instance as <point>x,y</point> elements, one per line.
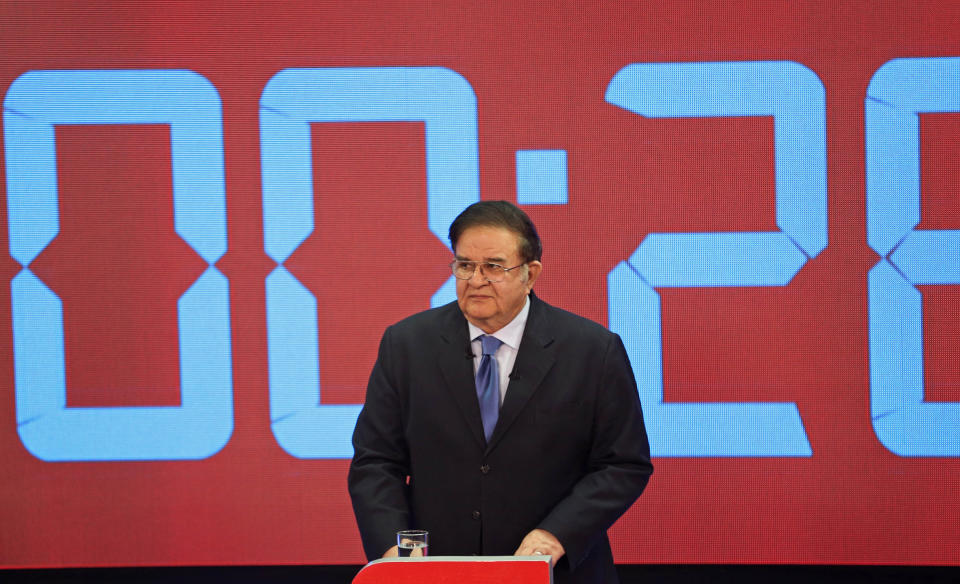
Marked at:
<point>549,470</point>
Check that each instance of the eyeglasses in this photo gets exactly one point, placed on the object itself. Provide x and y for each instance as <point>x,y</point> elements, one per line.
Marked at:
<point>464,270</point>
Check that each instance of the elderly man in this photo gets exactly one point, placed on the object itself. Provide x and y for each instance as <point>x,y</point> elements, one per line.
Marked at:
<point>500,424</point>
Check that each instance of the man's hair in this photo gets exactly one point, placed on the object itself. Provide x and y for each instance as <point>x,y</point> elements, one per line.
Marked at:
<point>499,214</point>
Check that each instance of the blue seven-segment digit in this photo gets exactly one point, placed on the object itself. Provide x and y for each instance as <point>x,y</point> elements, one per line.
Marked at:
<point>292,99</point>
<point>50,430</point>
<point>900,90</point>
<point>794,96</point>
<point>903,421</point>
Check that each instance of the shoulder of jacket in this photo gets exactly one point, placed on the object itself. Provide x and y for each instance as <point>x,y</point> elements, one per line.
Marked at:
<point>558,318</point>
<point>430,318</point>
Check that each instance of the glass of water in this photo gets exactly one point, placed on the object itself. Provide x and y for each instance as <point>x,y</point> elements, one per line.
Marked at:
<point>412,543</point>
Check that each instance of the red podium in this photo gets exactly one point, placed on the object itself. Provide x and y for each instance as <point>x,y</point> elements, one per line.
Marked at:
<point>458,570</point>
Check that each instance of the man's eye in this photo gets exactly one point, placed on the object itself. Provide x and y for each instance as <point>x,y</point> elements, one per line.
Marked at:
<point>493,268</point>
<point>465,266</point>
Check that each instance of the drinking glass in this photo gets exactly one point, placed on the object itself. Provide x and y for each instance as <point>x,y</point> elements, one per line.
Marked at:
<point>412,543</point>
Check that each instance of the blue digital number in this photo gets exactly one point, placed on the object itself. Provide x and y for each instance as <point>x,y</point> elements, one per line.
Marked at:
<point>900,90</point>
<point>50,430</point>
<point>292,99</point>
<point>794,96</point>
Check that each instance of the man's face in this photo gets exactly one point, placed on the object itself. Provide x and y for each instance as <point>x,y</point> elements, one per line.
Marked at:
<point>492,305</point>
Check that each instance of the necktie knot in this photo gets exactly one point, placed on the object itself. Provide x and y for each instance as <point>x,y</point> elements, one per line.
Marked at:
<point>490,344</point>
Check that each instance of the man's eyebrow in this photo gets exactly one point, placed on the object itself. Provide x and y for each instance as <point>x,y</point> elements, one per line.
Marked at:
<point>495,260</point>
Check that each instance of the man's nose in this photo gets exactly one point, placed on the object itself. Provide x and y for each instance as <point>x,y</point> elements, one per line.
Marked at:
<point>478,279</point>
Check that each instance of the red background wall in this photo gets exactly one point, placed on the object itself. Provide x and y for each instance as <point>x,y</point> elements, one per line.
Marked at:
<point>539,71</point>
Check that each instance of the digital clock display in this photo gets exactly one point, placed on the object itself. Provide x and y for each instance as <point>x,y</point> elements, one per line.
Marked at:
<point>214,210</point>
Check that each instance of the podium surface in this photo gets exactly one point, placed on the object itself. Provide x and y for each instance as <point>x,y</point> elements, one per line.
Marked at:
<point>458,570</point>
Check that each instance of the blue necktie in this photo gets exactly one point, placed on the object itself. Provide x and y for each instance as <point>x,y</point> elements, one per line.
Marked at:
<point>488,384</point>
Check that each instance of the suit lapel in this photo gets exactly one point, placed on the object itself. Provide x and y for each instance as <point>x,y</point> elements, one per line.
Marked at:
<point>534,359</point>
<point>457,369</point>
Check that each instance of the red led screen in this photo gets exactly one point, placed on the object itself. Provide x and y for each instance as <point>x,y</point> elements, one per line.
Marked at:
<point>540,73</point>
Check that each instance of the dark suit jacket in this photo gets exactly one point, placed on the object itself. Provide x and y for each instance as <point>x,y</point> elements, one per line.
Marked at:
<point>569,453</point>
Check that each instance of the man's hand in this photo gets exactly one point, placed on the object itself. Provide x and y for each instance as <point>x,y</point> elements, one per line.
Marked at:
<point>541,542</point>
<point>391,553</point>
<point>395,552</point>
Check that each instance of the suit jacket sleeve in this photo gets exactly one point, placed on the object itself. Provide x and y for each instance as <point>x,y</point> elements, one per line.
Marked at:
<point>619,461</point>
<point>377,479</point>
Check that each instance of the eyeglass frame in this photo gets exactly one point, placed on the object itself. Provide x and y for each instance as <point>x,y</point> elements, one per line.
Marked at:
<point>477,266</point>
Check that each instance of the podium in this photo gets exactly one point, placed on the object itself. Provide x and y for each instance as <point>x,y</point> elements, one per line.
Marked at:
<point>458,570</point>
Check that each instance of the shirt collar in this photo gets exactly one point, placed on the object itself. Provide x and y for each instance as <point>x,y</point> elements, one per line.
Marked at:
<point>512,333</point>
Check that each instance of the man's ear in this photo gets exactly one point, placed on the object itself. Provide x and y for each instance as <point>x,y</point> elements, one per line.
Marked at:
<point>533,272</point>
